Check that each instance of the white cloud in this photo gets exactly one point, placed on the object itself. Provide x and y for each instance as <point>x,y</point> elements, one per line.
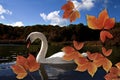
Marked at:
<point>4,11</point>
<point>54,18</point>
<point>84,4</point>
<point>18,24</point>
<point>2,17</point>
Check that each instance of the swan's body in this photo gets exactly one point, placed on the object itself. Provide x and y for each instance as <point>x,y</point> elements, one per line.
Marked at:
<point>55,63</point>
<point>54,59</point>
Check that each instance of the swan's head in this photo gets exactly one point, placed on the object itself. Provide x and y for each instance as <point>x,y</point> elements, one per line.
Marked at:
<point>32,37</point>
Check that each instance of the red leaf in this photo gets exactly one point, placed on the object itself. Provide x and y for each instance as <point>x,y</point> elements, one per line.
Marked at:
<point>102,22</point>
<point>104,35</point>
<point>33,65</point>
<point>20,71</point>
<point>78,45</point>
<point>70,12</point>
<point>106,52</point>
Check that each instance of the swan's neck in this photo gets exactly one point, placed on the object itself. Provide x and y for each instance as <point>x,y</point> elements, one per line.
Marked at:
<point>42,53</point>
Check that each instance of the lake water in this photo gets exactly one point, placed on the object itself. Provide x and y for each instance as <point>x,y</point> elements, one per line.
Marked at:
<point>8,53</point>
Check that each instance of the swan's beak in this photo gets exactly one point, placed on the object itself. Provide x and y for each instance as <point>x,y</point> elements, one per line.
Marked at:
<point>28,43</point>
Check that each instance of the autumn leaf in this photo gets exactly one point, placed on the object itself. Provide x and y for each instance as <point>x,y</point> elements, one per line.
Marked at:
<point>100,60</point>
<point>24,65</point>
<point>104,35</point>
<point>33,65</point>
<point>70,12</point>
<point>70,53</point>
<point>78,45</point>
<point>20,60</point>
<point>20,71</point>
<point>106,52</point>
<point>68,6</point>
<point>118,65</point>
<point>84,64</point>
<point>114,74</point>
<point>102,22</point>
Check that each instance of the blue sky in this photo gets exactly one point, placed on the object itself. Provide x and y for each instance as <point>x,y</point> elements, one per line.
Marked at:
<point>32,12</point>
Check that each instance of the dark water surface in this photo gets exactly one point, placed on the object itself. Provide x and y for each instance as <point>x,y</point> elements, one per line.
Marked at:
<point>9,52</point>
<point>7,74</point>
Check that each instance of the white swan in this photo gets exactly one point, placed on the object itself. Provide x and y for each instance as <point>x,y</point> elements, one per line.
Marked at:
<point>54,59</point>
<point>55,62</point>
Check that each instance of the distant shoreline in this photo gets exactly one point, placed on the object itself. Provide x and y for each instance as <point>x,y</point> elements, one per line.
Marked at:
<point>12,41</point>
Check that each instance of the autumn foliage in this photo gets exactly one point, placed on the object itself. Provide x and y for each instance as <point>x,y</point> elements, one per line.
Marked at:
<point>25,65</point>
<point>94,60</point>
<point>70,12</point>
<point>103,23</point>
<point>89,62</point>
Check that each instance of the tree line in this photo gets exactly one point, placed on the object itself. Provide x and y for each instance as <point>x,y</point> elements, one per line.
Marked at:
<point>56,33</point>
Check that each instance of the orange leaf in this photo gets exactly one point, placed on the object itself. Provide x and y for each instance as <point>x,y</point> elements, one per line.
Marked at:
<point>93,22</point>
<point>70,12</point>
<point>81,68</point>
<point>22,61</point>
<point>68,6</point>
<point>104,35</point>
<point>102,22</point>
<point>107,64</point>
<point>75,14</point>
<point>68,50</point>
<point>19,70</point>
<point>109,23</point>
<point>118,65</point>
<point>67,14</point>
<point>72,56</point>
<point>113,75</point>
<point>81,61</point>
<point>33,65</point>
<point>78,45</point>
<point>106,52</point>
<point>90,66</point>
<point>95,56</point>
<point>103,16</point>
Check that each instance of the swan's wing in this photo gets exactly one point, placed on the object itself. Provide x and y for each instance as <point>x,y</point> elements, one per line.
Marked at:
<point>59,54</point>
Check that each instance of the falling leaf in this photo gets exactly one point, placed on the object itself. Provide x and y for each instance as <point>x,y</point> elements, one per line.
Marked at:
<point>24,65</point>
<point>114,74</point>
<point>68,6</point>
<point>102,22</point>
<point>104,35</point>
<point>84,64</point>
<point>20,71</point>
<point>33,65</point>
<point>109,23</point>
<point>20,60</point>
<point>70,12</point>
<point>70,53</point>
<point>100,60</point>
<point>78,45</point>
<point>107,64</point>
<point>106,52</point>
<point>118,65</point>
